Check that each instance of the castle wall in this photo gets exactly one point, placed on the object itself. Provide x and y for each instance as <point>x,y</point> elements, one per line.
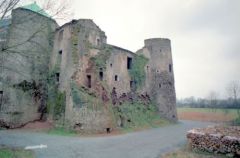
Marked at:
<point>26,61</point>
<point>80,40</point>
<point>117,67</point>
<point>159,81</point>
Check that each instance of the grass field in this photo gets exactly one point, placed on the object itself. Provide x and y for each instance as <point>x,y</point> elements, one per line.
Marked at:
<point>207,114</point>
<point>15,153</point>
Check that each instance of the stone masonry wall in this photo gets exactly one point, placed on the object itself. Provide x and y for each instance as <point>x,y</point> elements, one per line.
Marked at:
<point>26,61</point>
<point>159,83</point>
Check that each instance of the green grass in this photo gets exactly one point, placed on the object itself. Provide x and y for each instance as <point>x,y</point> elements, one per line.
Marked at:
<point>62,132</point>
<point>16,153</point>
<point>186,152</point>
<point>232,112</point>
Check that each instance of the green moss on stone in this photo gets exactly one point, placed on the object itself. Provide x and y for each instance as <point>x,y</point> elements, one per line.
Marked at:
<point>137,115</point>
<point>137,72</point>
<point>100,60</point>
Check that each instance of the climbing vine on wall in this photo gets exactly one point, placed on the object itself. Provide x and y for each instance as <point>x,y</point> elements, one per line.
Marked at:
<point>137,114</point>
<point>83,97</point>
<point>56,99</point>
<point>137,72</point>
<point>101,58</point>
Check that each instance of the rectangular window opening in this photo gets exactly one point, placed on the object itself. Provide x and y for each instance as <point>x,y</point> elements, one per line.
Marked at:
<point>101,75</point>
<point>89,83</point>
<point>57,77</point>
<point>116,78</point>
<point>129,63</point>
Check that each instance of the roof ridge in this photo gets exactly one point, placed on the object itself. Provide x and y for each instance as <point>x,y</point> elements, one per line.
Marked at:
<point>36,8</point>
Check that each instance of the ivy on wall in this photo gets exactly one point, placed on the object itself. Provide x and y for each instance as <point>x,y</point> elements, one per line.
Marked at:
<point>83,97</point>
<point>137,72</point>
<point>101,58</point>
<point>137,114</point>
<point>56,99</point>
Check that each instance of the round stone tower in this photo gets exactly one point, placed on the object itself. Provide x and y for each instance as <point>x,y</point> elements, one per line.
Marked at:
<point>160,77</point>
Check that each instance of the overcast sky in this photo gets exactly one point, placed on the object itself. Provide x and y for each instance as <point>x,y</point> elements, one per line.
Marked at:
<point>205,36</point>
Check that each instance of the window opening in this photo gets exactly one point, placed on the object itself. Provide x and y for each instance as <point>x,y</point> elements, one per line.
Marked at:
<point>170,67</point>
<point>89,84</point>
<point>1,98</point>
<point>57,77</point>
<point>129,63</point>
<point>116,78</point>
<point>60,52</point>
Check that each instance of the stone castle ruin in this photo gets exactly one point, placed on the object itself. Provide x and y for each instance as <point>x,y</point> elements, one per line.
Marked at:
<point>71,72</point>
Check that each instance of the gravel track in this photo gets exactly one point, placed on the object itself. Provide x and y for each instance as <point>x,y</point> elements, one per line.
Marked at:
<point>145,144</point>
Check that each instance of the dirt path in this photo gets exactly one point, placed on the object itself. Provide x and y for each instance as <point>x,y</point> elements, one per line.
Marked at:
<point>146,144</point>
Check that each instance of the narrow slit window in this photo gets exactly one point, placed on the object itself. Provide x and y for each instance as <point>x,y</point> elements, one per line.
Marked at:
<point>1,97</point>
<point>170,67</point>
<point>101,75</point>
<point>129,63</point>
<point>89,82</point>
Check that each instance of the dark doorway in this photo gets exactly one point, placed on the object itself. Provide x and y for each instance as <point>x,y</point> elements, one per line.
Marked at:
<point>108,130</point>
<point>129,63</point>
<point>89,83</point>
<point>57,77</point>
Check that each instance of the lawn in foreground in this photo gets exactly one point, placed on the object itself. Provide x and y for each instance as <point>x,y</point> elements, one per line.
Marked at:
<point>15,153</point>
<point>185,153</point>
<point>207,114</point>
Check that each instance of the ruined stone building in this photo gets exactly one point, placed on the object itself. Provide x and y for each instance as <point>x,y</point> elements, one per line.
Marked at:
<point>91,74</point>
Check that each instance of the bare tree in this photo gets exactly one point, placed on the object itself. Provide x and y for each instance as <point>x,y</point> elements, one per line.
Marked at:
<point>233,91</point>
<point>6,6</point>
<point>27,46</point>
<point>213,99</point>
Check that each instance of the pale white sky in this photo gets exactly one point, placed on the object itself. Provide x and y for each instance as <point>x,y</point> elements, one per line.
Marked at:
<point>205,36</point>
